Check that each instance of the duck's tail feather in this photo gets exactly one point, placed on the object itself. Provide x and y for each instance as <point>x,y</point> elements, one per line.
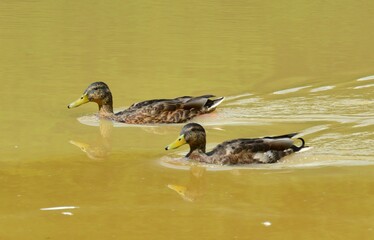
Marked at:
<point>290,135</point>
<point>296,148</point>
<point>273,156</point>
<point>212,104</point>
<point>201,103</point>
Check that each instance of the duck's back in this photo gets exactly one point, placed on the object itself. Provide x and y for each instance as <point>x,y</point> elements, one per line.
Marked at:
<point>176,110</point>
<point>253,150</point>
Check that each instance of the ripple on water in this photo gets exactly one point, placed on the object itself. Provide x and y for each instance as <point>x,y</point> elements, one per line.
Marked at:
<point>58,208</point>
<point>230,98</point>
<point>94,121</point>
<point>367,78</point>
<point>364,86</point>
<point>301,160</point>
<point>364,123</point>
<point>245,101</point>
<point>321,89</point>
<point>291,90</point>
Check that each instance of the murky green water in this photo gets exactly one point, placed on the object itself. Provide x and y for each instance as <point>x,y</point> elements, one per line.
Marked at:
<point>283,67</point>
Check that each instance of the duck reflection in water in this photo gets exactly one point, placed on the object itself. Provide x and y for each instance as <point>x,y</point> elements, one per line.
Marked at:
<point>194,189</point>
<point>100,149</point>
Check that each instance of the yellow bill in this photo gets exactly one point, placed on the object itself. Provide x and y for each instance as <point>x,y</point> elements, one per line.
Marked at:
<point>80,101</point>
<point>177,143</point>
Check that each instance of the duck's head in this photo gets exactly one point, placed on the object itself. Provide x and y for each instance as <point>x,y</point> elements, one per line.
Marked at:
<point>97,92</point>
<point>192,134</point>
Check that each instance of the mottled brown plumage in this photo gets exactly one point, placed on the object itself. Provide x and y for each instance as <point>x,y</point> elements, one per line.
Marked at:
<point>236,151</point>
<point>177,110</point>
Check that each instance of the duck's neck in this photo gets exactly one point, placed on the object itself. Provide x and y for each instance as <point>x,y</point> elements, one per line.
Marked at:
<point>193,154</point>
<point>198,148</point>
<point>105,110</point>
<point>106,106</point>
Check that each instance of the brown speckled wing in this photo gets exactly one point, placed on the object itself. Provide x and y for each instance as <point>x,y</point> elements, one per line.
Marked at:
<point>159,113</point>
<point>176,110</point>
<point>242,151</point>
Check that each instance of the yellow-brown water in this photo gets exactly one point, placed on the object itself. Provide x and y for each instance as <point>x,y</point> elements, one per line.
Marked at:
<point>283,66</point>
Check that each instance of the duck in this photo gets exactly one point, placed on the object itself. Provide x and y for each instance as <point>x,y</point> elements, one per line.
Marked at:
<point>177,110</point>
<point>236,151</point>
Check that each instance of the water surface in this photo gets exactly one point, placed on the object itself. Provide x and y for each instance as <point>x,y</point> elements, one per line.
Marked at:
<point>283,67</point>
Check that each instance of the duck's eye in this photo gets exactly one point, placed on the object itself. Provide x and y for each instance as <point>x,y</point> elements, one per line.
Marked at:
<point>81,97</point>
<point>179,139</point>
